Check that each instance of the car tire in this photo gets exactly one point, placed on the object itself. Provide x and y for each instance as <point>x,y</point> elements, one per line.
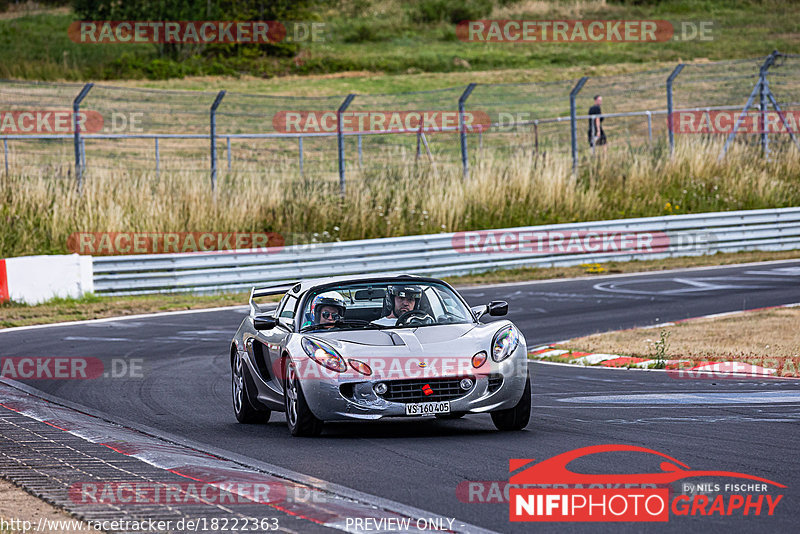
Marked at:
<point>515,418</point>
<point>242,407</point>
<point>300,420</point>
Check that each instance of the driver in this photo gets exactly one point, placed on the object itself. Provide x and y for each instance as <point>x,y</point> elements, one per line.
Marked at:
<point>326,309</point>
<point>399,300</point>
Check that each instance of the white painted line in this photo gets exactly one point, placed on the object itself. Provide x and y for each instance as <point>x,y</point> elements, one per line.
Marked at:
<point>600,367</point>
<point>716,398</point>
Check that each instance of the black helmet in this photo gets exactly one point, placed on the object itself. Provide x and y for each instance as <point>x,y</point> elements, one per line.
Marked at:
<point>393,291</point>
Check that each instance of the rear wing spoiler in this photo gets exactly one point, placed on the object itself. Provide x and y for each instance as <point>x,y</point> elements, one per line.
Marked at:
<point>267,291</point>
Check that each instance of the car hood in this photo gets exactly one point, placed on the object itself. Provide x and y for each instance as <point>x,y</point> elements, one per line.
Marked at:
<point>402,337</point>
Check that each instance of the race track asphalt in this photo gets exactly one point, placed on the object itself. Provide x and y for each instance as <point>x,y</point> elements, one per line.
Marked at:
<point>747,426</point>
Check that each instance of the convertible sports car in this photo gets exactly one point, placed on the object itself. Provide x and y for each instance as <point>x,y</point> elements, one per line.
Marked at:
<point>369,347</point>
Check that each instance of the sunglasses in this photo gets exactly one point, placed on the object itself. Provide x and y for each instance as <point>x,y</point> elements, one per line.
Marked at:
<point>328,315</point>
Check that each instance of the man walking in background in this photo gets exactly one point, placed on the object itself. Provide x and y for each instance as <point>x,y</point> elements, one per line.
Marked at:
<point>597,137</point>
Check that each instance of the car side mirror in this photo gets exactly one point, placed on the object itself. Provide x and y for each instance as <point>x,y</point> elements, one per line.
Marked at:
<point>480,311</point>
<point>498,308</point>
<point>264,322</point>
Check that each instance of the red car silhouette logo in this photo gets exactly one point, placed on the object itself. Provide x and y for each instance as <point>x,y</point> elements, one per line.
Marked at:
<point>554,470</point>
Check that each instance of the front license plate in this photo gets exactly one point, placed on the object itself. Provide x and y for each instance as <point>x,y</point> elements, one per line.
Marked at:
<point>427,408</point>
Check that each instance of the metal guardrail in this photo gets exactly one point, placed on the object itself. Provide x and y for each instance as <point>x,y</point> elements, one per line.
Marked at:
<point>439,254</point>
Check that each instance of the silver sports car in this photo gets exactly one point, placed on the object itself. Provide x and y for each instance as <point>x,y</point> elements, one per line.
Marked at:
<point>369,347</point>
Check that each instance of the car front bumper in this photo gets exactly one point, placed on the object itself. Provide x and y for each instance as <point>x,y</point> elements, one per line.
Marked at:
<point>327,402</point>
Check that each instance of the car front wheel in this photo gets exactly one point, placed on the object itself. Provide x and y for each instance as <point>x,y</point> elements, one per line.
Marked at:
<point>515,418</point>
<point>299,418</point>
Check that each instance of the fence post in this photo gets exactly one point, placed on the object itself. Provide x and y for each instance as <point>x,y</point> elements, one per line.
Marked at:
<point>674,74</point>
<point>158,160</point>
<point>229,153</point>
<point>762,73</point>
<point>5,151</point>
<point>76,127</point>
<point>360,160</point>
<point>213,138</point>
<point>462,129</point>
<point>536,135</point>
<point>649,126</point>
<point>340,138</point>
<point>762,120</point>
<point>573,123</point>
<point>762,76</point>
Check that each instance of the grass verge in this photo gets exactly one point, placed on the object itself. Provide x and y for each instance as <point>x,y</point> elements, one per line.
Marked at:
<point>94,307</point>
<point>767,338</point>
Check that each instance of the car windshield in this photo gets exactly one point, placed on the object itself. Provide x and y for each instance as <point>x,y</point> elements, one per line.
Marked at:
<point>407,304</point>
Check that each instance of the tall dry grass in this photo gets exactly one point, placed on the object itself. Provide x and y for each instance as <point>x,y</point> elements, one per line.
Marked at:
<point>39,210</point>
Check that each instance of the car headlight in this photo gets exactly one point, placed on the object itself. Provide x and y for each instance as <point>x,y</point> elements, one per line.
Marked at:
<point>505,342</point>
<point>323,354</point>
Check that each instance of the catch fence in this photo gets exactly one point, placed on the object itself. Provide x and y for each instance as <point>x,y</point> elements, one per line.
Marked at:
<point>214,134</point>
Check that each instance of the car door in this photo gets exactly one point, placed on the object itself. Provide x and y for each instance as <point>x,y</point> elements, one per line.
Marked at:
<point>275,340</point>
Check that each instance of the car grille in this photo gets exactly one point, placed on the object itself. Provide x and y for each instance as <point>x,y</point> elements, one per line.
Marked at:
<point>495,381</point>
<point>412,390</point>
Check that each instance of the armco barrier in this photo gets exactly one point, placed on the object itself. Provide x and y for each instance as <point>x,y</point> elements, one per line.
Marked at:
<point>439,254</point>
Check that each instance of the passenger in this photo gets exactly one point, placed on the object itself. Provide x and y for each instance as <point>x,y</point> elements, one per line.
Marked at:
<point>398,300</point>
<point>326,309</point>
